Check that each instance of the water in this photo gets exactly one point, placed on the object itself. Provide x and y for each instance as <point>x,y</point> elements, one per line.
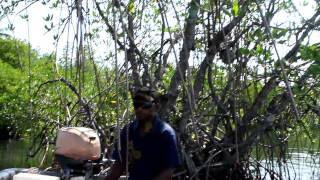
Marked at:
<point>305,165</point>
<point>300,165</point>
<point>13,154</point>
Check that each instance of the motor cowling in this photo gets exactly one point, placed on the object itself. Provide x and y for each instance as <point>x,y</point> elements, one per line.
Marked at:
<point>78,143</point>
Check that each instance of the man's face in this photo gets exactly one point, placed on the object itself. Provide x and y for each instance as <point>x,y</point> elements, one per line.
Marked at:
<point>145,108</point>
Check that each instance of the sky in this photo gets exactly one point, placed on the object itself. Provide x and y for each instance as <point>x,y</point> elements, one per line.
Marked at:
<point>38,37</point>
<point>44,42</point>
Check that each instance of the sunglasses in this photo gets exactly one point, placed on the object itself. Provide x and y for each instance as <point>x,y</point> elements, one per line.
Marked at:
<point>144,105</point>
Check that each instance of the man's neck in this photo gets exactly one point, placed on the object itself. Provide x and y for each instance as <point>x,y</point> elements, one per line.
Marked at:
<point>146,126</point>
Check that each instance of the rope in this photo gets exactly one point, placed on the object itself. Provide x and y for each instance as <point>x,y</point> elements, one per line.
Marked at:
<point>126,114</point>
<point>230,72</point>
<point>29,63</point>
<point>296,112</point>
<point>80,54</point>
<point>127,106</point>
<point>68,114</point>
<point>63,93</point>
<point>180,71</point>
<point>117,80</point>
<point>56,45</point>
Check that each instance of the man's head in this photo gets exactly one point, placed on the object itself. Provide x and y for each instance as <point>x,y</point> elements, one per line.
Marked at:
<point>146,104</point>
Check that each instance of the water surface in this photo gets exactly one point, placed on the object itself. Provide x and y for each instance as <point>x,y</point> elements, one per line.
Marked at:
<point>300,165</point>
<point>13,154</point>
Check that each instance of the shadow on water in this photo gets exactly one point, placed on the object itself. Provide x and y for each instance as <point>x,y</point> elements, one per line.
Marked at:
<point>13,154</point>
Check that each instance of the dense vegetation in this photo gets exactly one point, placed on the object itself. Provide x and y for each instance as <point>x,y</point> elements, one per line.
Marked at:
<point>15,98</point>
<point>229,90</point>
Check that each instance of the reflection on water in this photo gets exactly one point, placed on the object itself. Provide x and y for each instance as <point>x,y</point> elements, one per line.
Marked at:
<point>13,154</point>
<point>302,165</point>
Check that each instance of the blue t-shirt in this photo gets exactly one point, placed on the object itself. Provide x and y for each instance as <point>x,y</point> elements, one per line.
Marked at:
<point>151,154</point>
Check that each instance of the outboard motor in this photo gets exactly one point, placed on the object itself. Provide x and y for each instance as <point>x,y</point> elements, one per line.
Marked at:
<point>78,151</point>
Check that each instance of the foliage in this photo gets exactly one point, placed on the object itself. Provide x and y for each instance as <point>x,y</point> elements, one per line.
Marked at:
<point>16,86</point>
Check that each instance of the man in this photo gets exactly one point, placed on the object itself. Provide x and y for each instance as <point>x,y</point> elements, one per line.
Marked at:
<point>152,146</point>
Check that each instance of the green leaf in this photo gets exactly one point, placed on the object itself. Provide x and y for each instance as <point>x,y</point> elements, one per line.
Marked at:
<point>11,27</point>
<point>244,51</point>
<point>310,53</point>
<point>48,17</point>
<point>235,8</point>
<point>55,37</point>
<point>131,7</point>
<point>314,69</point>
<point>55,4</point>
<point>259,34</point>
<point>259,49</point>
<point>26,16</point>
<point>47,28</point>
<point>278,33</point>
<point>156,11</point>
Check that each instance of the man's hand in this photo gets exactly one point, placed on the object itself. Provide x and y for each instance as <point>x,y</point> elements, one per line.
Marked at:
<point>165,174</point>
<point>116,171</point>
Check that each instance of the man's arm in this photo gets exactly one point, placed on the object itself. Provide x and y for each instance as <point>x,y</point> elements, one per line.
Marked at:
<point>116,171</point>
<point>171,155</point>
<point>165,174</point>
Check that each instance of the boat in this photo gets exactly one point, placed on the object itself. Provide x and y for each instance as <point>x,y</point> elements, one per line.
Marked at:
<point>34,174</point>
<point>78,154</point>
